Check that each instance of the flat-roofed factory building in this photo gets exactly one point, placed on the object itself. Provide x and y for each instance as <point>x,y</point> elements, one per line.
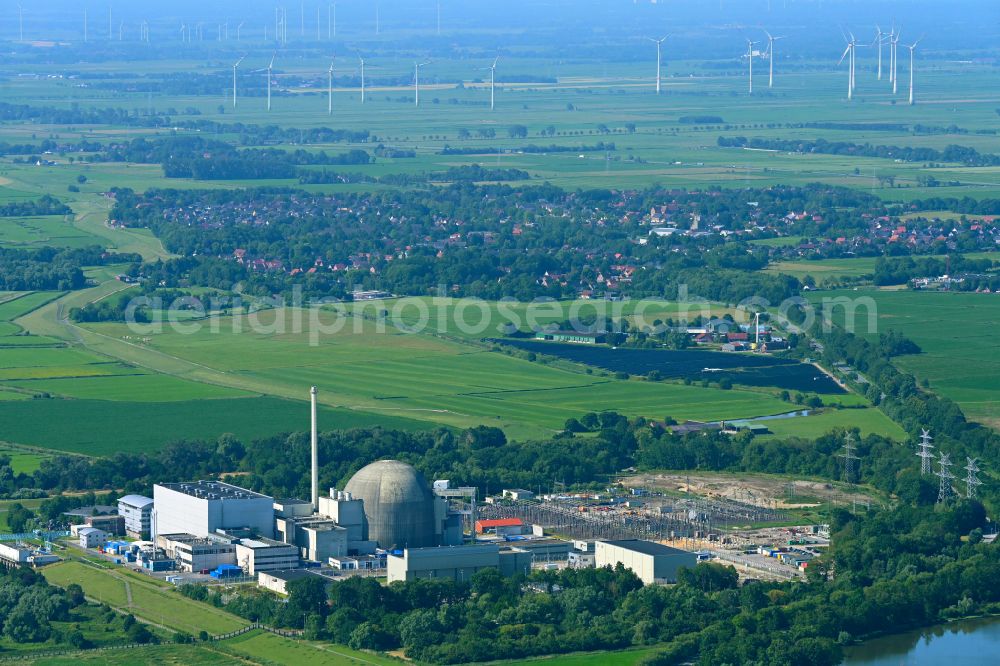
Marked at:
<point>650,561</point>
<point>202,508</point>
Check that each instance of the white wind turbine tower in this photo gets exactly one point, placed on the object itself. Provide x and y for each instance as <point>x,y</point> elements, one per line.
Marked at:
<point>416,81</point>
<point>659,44</point>
<point>235,67</point>
<point>770,57</point>
<point>912,48</point>
<point>493,81</point>
<point>750,45</point>
<point>362,78</point>
<point>329,87</point>
<point>879,42</point>
<point>849,54</point>
<point>238,29</point>
<point>270,67</point>
<point>84,26</point>
<point>20,23</point>
<point>894,52</point>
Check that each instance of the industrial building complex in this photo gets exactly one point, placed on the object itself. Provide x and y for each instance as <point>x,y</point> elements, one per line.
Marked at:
<point>387,518</point>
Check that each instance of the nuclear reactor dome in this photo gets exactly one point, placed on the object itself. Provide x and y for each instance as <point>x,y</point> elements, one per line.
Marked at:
<point>399,505</point>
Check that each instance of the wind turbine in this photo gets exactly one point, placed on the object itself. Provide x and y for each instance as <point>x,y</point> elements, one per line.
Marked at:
<point>659,43</point>
<point>850,53</point>
<point>895,63</point>
<point>750,45</point>
<point>235,67</point>
<point>84,26</point>
<point>20,23</point>
<point>770,57</point>
<point>238,29</point>
<point>331,21</point>
<point>416,81</point>
<point>362,78</point>
<point>879,42</point>
<point>269,68</point>
<point>329,86</point>
<point>493,80</point>
<point>912,48</point>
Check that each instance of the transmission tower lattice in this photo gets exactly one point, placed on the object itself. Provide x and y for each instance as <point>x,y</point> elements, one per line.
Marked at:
<point>850,459</point>
<point>971,480</point>
<point>945,489</point>
<point>925,453</point>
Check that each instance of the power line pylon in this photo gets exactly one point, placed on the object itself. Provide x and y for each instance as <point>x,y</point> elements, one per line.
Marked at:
<point>850,459</point>
<point>971,480</point>
<point>945,490</point>
<point>925,453</point>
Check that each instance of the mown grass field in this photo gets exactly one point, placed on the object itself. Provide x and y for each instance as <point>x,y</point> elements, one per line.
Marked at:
<point>955,332</point>
<point>869,420</point>
<point>152,600</point>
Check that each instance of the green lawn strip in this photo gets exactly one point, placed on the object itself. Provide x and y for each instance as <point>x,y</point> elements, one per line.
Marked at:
<point>291,652</point>
<point>150,601</point>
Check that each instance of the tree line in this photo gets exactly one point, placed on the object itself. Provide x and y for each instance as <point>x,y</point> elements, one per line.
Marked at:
<point>952,153</point>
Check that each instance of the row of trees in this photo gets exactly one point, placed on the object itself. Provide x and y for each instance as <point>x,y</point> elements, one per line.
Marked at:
<point>952,153</point>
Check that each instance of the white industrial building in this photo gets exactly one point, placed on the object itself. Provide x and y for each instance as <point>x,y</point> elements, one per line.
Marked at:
<point>256,555</point>
<point>197,553</point>
<point>208,507</point>
<point>457,563</point>
<point>137,511</point>
<point>91,537</point>
<point>651,562</point>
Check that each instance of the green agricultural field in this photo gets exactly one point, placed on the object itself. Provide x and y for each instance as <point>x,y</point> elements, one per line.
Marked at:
<point>153,655</point>
<point>48,231</point>
<point>151,600</point>
<point>23,461</point>
<point>954,330</point>
<point>99,427</point>
<point>383,370</point>
<point>273,649</point>
<point>834,269</point>
<point>21,304</point>
<point>586,103</point>
<point>869,420</point>
<point>475,319</point>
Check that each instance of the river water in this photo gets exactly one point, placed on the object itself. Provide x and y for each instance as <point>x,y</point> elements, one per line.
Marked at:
<point>957,644</point>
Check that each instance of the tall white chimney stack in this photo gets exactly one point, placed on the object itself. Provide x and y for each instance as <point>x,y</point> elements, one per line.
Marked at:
<point>315,453</point>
